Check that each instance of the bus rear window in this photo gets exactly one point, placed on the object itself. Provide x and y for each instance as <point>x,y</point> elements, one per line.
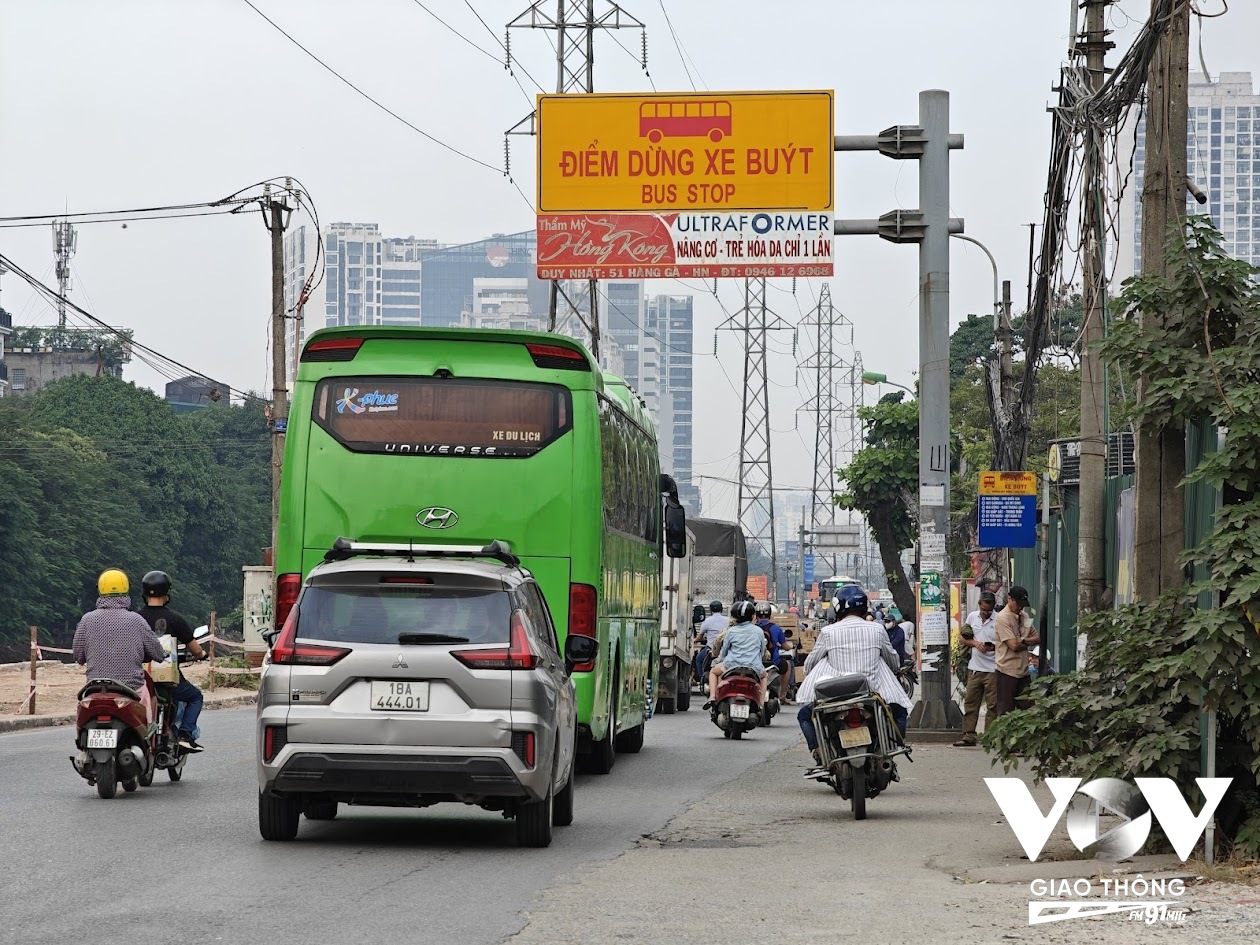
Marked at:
<point>425,416</point>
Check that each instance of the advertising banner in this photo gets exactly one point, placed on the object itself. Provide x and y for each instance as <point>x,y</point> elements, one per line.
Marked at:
<point>700,151</point>
<point>684,245</point>
<point>759,586</point>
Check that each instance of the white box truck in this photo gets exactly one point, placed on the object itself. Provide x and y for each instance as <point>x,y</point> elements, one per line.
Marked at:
<point>715,568</point>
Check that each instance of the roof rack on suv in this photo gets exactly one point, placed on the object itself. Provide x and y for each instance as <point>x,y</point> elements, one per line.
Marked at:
<point>344,548</point>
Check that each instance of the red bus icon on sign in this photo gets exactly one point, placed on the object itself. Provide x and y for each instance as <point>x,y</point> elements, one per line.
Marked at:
<point>711,119</point>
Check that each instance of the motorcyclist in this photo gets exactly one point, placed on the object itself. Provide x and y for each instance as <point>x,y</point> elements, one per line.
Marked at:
<point>851,645</point>
<point>776,640</point>
<point>743,646</point>
<point>113,642</point>
<point>707,635</point>
<point>896,636</point>
<point>156,587</point>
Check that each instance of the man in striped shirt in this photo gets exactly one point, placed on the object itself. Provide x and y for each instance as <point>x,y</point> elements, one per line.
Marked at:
<point>853,645</point>
<point>115,643</point>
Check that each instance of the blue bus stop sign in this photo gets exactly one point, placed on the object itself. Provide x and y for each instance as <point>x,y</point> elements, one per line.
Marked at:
<point>1008,521</point>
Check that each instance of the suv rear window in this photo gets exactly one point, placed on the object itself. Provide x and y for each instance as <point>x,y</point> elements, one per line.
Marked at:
<point>426,416</point>
<point>379,613</point>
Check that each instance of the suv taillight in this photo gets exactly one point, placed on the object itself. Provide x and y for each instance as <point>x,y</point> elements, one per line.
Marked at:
<point>275,737</point>
<point>518,654</point>
<point>582,617</point>
<point>289,652</point>
<point>288,586</point>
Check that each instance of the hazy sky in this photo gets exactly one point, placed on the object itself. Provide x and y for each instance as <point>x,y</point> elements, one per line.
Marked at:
<point>142,102</point>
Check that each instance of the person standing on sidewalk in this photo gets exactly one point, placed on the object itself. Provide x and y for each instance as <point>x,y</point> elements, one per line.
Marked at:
<point>1012,652</point>
<point>981,636</point>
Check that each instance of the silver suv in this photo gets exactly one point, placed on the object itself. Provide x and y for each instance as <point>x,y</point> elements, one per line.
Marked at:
<point>409,675</point>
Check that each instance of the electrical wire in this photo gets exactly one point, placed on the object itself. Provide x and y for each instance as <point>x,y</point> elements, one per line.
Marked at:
<point>393,114</point>
<point>503,46</point>
<point>678,46</point>
<point>127,339</point>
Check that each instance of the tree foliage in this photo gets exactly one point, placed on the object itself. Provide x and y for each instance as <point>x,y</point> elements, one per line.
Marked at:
<point>1155,665</point>
<point>99,473</point>
<point>881,482</point>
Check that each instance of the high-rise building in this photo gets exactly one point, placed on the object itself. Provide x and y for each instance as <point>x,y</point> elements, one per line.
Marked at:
<point>1222,157</point>
<point>668,354</point>
<point>451,272</point>
<point>369,279</point>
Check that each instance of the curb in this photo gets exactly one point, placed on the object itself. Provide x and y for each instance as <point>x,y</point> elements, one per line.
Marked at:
<point>25,723</point>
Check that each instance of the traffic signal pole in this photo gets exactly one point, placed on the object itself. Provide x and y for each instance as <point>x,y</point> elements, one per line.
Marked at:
<point>930,226</point>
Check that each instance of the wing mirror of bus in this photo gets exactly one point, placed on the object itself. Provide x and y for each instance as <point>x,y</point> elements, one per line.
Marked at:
<point>675,531</point>
<point>578,650</point>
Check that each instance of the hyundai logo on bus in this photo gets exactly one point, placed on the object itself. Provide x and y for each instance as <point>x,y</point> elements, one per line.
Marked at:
<point>435,516</point>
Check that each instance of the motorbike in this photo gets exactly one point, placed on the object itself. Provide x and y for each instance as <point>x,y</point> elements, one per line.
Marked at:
<point>737,705</point>
<point>857,740</point>
<point>117,745</point>
<point>908,677</point>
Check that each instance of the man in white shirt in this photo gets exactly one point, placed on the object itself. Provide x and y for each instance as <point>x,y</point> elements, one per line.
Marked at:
<point>852,645</point>
<point>980,634</point>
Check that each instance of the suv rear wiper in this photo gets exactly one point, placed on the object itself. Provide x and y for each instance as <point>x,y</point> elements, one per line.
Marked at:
<point>411,639</point>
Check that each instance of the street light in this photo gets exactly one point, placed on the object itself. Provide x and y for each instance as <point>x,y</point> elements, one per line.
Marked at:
<point>874,377</point>
<point>997,286</point>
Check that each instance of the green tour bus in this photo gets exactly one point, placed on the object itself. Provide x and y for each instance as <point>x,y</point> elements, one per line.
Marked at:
<point>463,436</point>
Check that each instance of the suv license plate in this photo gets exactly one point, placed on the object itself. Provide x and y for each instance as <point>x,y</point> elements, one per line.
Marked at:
<point>855,737</point>
<point>102,738</point>
<point>406,696</point>
<point>739,711</point>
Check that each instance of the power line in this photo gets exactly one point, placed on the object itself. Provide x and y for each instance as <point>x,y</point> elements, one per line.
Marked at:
<point>678,46</point>
<point>393,114</point>
<point>52,294</point>
<point>502,45</point>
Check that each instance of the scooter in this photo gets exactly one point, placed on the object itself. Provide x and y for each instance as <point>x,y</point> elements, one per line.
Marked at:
<point>116,744</point>
<point>737,705</point>
<point>857,740</point>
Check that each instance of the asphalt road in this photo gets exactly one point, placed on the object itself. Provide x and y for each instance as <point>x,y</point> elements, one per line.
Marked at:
<point>184,862</point>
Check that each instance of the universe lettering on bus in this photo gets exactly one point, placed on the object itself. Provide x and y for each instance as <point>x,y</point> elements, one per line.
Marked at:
<point>706,163</point>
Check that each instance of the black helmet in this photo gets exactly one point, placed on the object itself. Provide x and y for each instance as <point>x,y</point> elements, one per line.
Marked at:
<point>851,599</point>
<point>715,606</point>
<point>156,584</point>
<point>743,611</point>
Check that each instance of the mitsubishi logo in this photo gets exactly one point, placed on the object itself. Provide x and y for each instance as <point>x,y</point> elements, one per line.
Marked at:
<point>435,516</point>
<point>400,663</point>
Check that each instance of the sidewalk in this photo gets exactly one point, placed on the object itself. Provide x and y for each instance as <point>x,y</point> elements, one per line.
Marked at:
<point>774,858</point>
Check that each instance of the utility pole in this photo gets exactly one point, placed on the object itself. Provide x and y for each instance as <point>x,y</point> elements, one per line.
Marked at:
<point>1159,527</point>
<point>276,216</point>
<point>930,226</point>
<point>800,568</point>
<point>1091,560</point>
<point>575,23</point>
<point>64,241</point>
<point>756,478</point>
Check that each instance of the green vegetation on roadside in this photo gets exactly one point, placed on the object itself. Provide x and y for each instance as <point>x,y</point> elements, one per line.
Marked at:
<point>96,472</point>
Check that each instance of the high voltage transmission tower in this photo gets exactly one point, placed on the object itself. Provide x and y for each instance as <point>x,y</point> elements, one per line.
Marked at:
<point>756,480</point>
<point>65,238</point>
<point>575,23</point>
<point>828,369</point>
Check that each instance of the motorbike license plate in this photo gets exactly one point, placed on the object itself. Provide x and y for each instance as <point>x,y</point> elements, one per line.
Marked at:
<point>102,738</point>
<point>855,737</point>
<point>390,695</point>
<point>739,711</point>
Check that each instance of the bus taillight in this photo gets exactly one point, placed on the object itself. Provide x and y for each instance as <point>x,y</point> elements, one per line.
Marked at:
<point>287,588</point>
<point>332,349</point>
<point>558,356</point>
<point>582,617</point>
